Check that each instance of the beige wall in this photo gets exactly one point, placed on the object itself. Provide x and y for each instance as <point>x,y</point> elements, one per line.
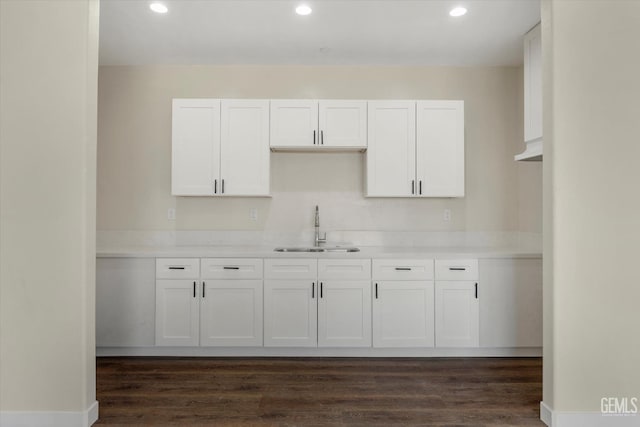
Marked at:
<point>48,96</point>
<point>134,141</point>
<point>592,225</point>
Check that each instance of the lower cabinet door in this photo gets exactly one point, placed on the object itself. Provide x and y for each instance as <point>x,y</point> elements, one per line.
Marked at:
<point>290,313</point>
<point>231,313</point>
<point>344,314</point>
<point>403,314</point>
<point>177,312</point>
<point>457,314</point>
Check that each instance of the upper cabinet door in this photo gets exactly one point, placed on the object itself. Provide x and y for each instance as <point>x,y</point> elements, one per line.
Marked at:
<point>294,123</point>
<point>391,152</point>
<point>533,85</point>
<point>440,149</point>
<point>195,147</point>
<point>245,155</point>
<point>343,123</point>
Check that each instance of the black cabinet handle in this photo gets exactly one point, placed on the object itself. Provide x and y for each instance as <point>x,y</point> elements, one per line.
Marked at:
<point>420,185</point>
<point>376,291</point>
<point>215,186</point>
<point>413,186</point>
<point>403,268</point>
<point>313,290</point>
<point>321,137</point>
<point>204,285</point>
<point>194,289</point>
<point>320,289</point>
<point>222,187</point>
<point>314,137</point>
<point>457,268</point>
<point>476,291</point>
<point>230,268</point>
<point>176,268</point>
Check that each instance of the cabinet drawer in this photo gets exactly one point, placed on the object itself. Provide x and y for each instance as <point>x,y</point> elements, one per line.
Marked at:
<point>402,269</point>
<point>177,268</point>
<point>231,268</point>
<point>290,269</point>
<point>344,269</point>
<point>456,269</point>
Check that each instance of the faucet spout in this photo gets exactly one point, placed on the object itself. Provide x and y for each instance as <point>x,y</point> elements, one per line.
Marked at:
<point>318,240</point>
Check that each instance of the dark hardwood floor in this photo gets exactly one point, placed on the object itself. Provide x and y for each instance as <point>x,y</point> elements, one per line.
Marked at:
<point>319,391</point>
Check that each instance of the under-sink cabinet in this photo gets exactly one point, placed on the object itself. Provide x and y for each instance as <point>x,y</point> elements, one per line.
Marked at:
<point>317,303</point>
<point>208,302</point>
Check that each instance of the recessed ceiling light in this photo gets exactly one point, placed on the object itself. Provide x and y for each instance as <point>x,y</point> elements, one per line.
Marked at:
<point>158,8</point>
<point>303,9</point>
<point>458,11</point>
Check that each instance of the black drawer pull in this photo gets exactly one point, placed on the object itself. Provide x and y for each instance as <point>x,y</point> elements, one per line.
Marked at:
<point>230,268</point>
<point>176,268</point>
<point>376,291</point>
<point>313,290</point>
<point>194,289</point>
<point>320,289</point>
<point>403,268</point>
<point>476,291</point>
<point>204,285</point>
<point>457,268</point>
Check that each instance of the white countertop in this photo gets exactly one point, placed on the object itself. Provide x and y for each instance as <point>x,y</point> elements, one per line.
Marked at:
<point>268,252</point>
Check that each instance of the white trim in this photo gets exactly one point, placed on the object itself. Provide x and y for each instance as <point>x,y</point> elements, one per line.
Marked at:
<point>84,418</point>
<point>532,152</point>
<point>585,419</point>
<point>546,414</point>
<point>316,352</point>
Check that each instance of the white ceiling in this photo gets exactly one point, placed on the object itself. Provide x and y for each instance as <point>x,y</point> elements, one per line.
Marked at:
<point>338,32</point>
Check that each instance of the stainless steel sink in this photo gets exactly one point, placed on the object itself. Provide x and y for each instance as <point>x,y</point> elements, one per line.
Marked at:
<point>319,249</point>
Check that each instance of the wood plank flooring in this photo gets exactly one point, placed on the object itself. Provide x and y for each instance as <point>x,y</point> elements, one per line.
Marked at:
<point>319,391</point>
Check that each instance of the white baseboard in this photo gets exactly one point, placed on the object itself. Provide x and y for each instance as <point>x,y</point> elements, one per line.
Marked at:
<point>84,418</point>
<point>585,419</point>
<point>316,352</point>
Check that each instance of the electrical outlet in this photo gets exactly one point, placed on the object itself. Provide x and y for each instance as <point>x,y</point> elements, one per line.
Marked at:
<point>446,216</point>
<point>171,214</point>
<point>253,214</point>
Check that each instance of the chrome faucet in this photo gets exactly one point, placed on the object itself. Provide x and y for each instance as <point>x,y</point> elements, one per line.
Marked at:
<point>318,240</point>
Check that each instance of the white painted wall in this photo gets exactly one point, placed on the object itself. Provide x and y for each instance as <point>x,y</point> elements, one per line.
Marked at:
<point>592,201</point>
<point>134,141</point>
<point>48,104</point>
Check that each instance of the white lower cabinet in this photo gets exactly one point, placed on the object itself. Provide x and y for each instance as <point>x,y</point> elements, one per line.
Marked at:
<point>211,309</point>
<point>457,314</point>
<point>231,313</point>
<point>344,313</point>
<point>177,312</point>
<point>457,303</point>
<point>403,303</point>
<point>307,305</point>
<point>291,313</point>
<point>403,314</point>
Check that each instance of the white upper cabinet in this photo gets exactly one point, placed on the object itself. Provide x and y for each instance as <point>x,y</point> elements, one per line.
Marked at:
<point>195,147</point>
<point>440,148</point>
<point>294,122</point>
<point>244,148</point>
<point>313,124</point>
<point>391,152</point>
<point>220,148</point>
<point>343,123</point>
<point>532,95</point>
<point>416,149</point>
